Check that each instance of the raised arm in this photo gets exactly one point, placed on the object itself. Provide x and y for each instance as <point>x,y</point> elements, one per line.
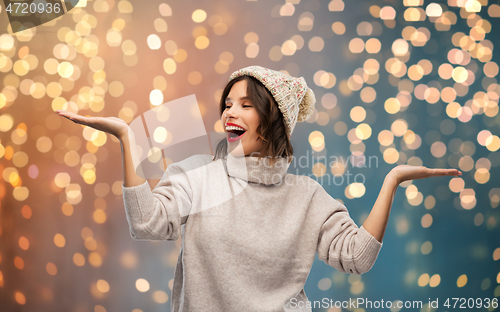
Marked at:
<point>376,223</point>
<point>119,129</point>
<point>151,214</point>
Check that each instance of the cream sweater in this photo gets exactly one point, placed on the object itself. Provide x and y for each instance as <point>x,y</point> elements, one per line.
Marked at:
<point>250,232</point>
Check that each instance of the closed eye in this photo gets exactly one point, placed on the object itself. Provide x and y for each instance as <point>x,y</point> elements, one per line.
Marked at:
<point>228,107</point>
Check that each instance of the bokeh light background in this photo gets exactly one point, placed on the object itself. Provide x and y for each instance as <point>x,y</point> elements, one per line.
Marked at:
<point>406,82</point>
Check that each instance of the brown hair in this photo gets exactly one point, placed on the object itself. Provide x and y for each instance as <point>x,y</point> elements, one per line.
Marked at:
<point>272,129</point>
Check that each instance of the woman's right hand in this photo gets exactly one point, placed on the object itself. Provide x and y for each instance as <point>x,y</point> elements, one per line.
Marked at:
<point>112,125</point>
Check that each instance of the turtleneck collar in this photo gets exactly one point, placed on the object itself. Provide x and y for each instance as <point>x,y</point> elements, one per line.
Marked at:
<point>253,169</point>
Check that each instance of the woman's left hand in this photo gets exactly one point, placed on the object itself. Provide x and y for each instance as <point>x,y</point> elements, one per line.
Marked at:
<point>406,172</point>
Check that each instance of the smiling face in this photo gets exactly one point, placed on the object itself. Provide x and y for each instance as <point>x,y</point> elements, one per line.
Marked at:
<point>241,113</point>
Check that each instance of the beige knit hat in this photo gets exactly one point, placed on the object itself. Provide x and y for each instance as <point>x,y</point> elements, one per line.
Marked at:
<point>295,100</point>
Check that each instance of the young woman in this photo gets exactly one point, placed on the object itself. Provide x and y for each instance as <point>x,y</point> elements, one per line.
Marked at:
<point>250,231</point>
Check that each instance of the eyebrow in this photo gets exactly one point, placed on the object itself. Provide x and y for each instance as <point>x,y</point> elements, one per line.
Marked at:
<point>228,99</point>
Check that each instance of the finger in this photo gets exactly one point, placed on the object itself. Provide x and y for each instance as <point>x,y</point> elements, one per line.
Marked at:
<point>67,114</point>
<point>454,172</point>
<point>438,172</point>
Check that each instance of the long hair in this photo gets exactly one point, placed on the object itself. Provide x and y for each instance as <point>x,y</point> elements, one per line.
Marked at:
<point>272,129</point>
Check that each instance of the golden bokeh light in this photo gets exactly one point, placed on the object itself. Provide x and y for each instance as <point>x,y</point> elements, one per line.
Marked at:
<point>462,280</point>
<point>423,280</point>
<point>199,16</point>
<point>142,285</point>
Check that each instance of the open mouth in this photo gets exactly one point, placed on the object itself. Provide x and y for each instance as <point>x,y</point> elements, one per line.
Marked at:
<point>234,135</point>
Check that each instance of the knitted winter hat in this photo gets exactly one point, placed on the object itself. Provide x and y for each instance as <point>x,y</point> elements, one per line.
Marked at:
<point>295,100</point>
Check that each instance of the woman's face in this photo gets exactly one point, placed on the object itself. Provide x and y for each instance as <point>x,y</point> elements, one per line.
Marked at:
<point>241,115</point>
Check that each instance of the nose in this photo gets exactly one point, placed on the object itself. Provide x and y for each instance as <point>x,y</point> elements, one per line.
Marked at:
<point>230,113</point>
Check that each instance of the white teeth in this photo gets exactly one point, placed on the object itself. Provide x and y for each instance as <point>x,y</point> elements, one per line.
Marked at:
<point>234,128</point>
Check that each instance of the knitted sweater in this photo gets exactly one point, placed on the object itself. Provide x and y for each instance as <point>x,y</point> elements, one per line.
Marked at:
<point>250,232</point>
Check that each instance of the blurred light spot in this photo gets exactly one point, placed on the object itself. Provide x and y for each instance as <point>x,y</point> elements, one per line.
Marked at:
<point>289,47</point>
<point>100,308</point>
<point>426,248</point>
<point>338,28</point>
<point>128,259</point>
<point>142,285</point>
<point>459,74</point>
<point>373,45</point>
<point>329,100</point>
<point>251,37</point>
<point>51,268</point>
<point>154,42</point>
<point>90,243</point>
<point>275,53</point>
<point>156,97</point>
<point>387,13</point>
<point>6,122</point>
<point>160,25</point>
<point>160,296</point>
<point>195,78</point>
<point>202,42</point>
<point>496,254</point>
<point>400,47</point>
<point>306,21</point>
<point>485,284</point>
<point>78,259</point>
<point>462,280</point>
<point>129,47</point>
<point>26,212</point>
<point>357,288</point>
<point>434,10</point>
<point>435,280</point>
<point>199,16</point>
<point>325,284</point>
<point>423,280</point>
<point>457,185</point>
<point>24,244</point>
<point>392,105</point>
<point>20,298</point>
<point>356,45</point>
<point>95,259</point>
<point>319,169</point>
<point>169,66</point>
<point>19,263</point>
<point>99,216</point>
<point>316,139</point>
<point>252,50</point>
<point>67,209</point>
<point>316,44</point>
<point>356,190</point>
<point>20,193</point>
<point>478,219</point>
<point>102,286</point>
<point>65,69</point>
<point>165,10</point>
<point>59,240</point>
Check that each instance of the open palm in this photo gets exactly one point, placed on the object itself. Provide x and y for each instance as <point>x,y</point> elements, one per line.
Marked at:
<point>406,172</point>
<point>111,125</point>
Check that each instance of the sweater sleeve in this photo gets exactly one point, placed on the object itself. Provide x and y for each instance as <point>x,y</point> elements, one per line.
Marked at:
<point>341,243</point>
<point>157,214</point>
